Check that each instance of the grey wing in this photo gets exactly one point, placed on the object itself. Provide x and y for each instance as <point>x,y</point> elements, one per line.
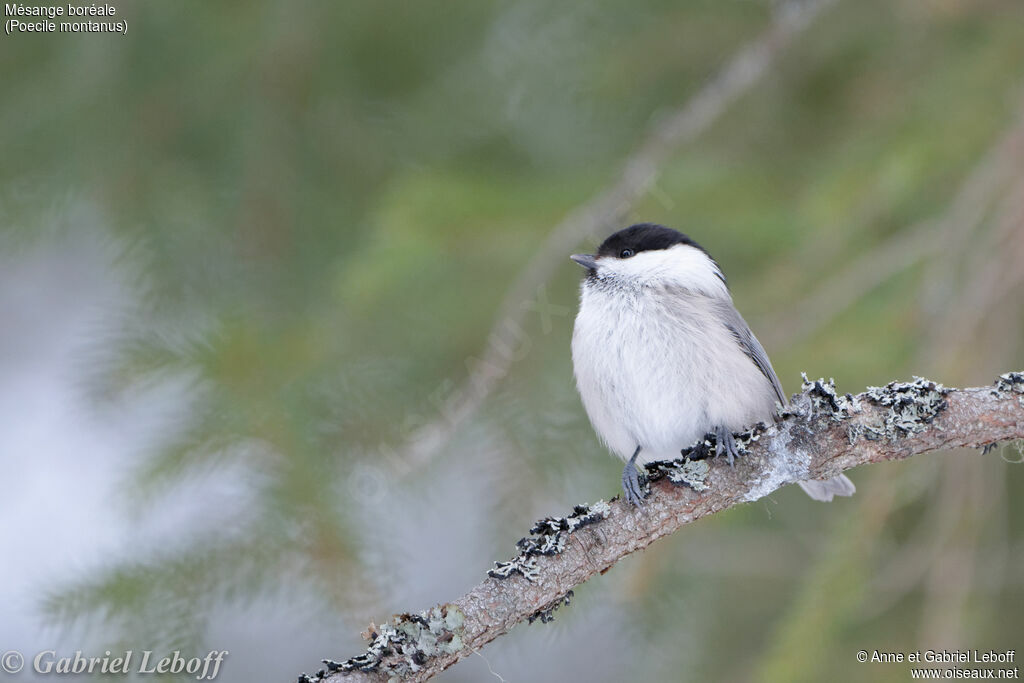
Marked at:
<point>822,490</point>
<point>748,342</point>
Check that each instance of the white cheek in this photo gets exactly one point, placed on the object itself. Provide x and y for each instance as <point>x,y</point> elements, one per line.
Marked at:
<point>680,266</point>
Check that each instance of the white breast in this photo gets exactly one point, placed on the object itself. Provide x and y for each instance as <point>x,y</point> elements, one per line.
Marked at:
<point>659,370</point>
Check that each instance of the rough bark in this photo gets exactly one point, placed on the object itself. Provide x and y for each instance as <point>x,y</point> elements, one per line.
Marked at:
<point>820,434</point>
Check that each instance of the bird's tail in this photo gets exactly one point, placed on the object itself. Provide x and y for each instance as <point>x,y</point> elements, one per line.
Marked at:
<point>825,489</point>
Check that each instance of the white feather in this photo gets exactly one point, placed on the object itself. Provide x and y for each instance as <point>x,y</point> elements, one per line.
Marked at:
<point>655,363</point>
<point>681,266</point>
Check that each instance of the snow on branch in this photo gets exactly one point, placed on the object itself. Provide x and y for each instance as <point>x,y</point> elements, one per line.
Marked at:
<point>820,434</point>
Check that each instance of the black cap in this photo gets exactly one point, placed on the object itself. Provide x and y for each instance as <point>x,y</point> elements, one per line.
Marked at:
<point>644,237</point>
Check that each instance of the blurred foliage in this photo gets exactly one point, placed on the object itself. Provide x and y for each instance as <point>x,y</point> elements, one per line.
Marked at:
<point>318,207</point>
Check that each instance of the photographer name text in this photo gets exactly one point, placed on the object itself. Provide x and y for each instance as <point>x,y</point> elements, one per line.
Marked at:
<point>940,656</point>
<point>129,662</point>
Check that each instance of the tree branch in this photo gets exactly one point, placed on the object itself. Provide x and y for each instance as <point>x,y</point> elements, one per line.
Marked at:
<point>820,434</point>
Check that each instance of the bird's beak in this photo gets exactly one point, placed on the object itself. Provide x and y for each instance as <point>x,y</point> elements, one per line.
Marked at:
<point>588,261</point>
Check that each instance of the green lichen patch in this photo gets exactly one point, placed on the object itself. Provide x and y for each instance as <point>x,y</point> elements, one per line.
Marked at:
<point>414,637</point>
<point>691,467</point>
<point>912,407</point>
<point>819,398</point>
<point>548,537</point>
<point>524,565</point>
<point>682,472</point>
<point>1010,383</point>
<point>549,534</point>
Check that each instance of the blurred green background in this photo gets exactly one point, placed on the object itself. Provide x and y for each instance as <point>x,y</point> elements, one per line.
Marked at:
<point>257,265</point>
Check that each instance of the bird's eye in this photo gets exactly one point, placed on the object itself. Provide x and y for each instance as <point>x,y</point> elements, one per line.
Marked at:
<point>626,253</point>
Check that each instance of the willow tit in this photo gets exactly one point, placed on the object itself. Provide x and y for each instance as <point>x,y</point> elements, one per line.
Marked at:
<point>662,357</point>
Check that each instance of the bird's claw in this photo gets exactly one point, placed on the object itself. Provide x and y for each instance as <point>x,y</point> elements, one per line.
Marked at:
<point>633,484</point>
<point>725,444</point>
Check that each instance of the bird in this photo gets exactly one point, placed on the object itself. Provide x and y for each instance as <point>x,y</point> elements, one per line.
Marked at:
<point>662,358</point>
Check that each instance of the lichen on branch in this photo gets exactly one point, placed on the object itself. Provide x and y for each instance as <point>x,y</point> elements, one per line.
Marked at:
<point>819,434</point>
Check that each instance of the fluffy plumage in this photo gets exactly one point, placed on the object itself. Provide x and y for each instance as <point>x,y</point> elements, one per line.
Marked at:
<point>661,356</point>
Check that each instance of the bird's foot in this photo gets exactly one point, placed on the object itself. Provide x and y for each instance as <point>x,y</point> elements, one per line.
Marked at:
<point>634,484</point>
<point>725,444</point>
